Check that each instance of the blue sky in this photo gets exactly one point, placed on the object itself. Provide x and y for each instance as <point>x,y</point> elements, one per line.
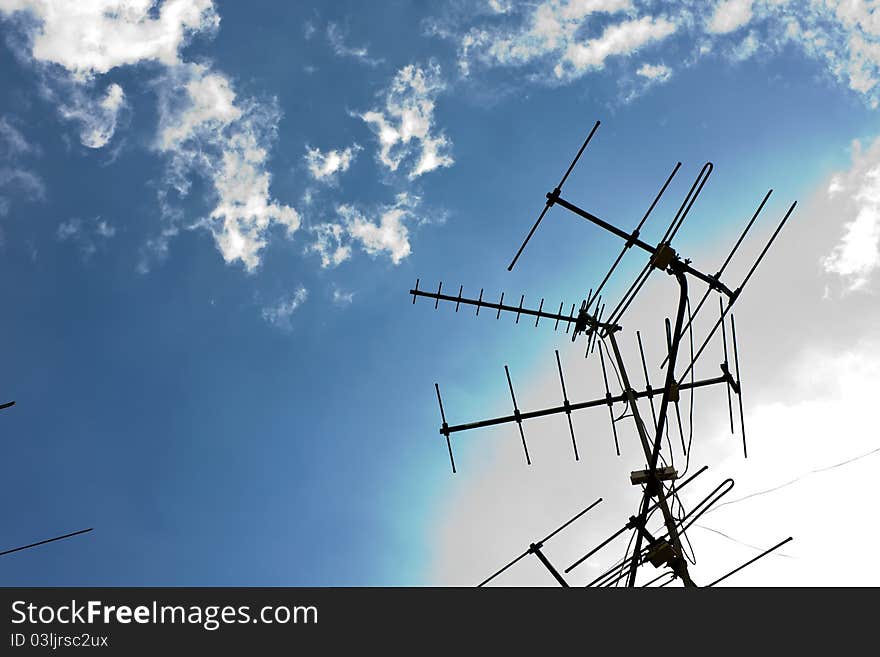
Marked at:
<point>212,212</point>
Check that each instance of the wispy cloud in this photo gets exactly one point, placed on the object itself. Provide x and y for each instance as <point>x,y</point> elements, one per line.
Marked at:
<point>336,38</point>
<point>386,233</point>
<point>405,125</point>
<point>204,127</point>
<point>280,313</point>
<point>17,180</point>
<point>88,235</point>
<point>341,297</point>
<point>560,41</point>
<point>324,166</point>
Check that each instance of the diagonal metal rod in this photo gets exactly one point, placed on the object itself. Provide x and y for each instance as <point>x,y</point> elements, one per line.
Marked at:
<point>627,526</point>
<point>725,263</point>
<point>445,428</point>
<point>48,540</point>
<point>635,233</point>
<point>685,267</point>
<point>751,561</point>
<point>724,342</point>
<point>550,196</point>
<point>736,294</point>
<point>516,415</point>
<point>538,543</point>
<point>567,406</point>
<point>742,418</point>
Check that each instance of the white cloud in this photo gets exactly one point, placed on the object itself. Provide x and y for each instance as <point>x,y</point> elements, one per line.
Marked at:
<point>658,72</point>
<point>856,256</point>
<point>280,313</point>
<point>203,128</point>
<point>386,234</point>
<point>730,15</point>
<point>405,126</point>
<point>562,40</point>
<point>337,42</point>
<point>97,117</point>
<point>206,129</point>
<point>325,165</point>
<point>95,36</point>
<point>621,39</point>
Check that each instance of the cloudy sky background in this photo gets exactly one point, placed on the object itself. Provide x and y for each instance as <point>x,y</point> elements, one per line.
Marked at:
<point>210,214</point>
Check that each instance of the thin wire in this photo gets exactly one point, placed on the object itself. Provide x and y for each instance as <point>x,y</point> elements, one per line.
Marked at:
<point>748,545</point>
<point>687,462</point>
<point>797,479</point>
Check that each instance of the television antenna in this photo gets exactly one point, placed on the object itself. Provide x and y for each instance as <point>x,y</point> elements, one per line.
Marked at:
<point>662,547</point>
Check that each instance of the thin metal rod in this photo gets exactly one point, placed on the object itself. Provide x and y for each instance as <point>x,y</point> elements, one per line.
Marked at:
<point>736,294</point>
<point>742,418</point>
<point>536,550</point>
<point>724,340</point>
<point>648,388</point>
<point>567,407</point>
<point>501,306</point>
<point>751,561</point>
<point>599,401</point>
<point>609,401</point>
<point>48,540</point>
<point>638,228</point>
<point>628,526</point>
<point>539,543</point>
<point>445,428</point>
<point>726,262</point>
<point>550,199</point>
<point>517,416</point>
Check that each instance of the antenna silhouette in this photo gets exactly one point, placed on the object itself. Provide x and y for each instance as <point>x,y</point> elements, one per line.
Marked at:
<point>661,546</point>
<point>48,540</point>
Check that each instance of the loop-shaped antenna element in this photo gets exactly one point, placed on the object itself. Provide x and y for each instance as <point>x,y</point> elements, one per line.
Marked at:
<point>516,414</point>
<point>445,428</point>
<point>551,197</point>
<point>751,561</point>
<point>609,401</point>
<point>630,525</point>
<point>535,547</point>
<point>567,406</point>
